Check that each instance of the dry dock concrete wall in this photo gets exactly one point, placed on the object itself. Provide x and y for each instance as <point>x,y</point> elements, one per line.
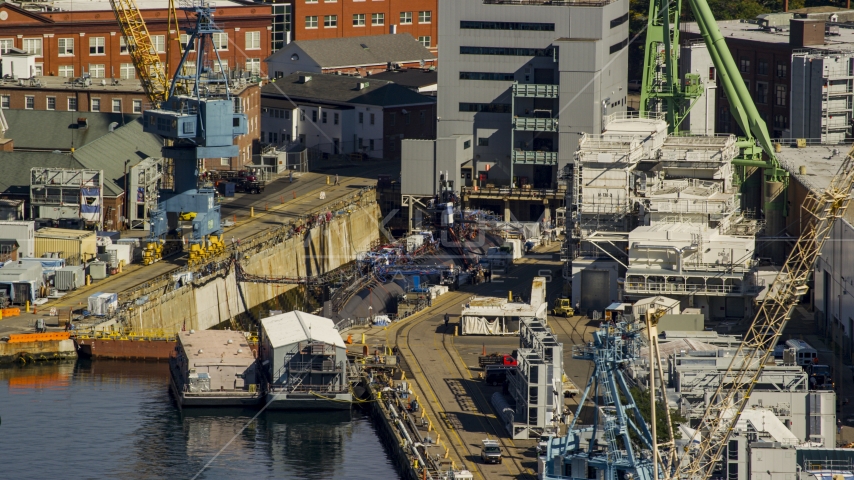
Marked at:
<point>207,301</point>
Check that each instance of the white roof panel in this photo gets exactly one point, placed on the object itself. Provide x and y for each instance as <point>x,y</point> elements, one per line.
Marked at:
<point>292,327</point>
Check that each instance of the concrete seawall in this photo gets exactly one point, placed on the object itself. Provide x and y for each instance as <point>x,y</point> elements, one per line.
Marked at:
<point>201,303</point>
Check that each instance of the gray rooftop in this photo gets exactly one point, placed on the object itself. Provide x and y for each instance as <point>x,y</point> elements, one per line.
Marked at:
<point>56,130</point>
<point>352,51</point>
<point>740,30</point>
<point>343,89</point>
<point>409,77</point>
<point>819,160</point>
<point>16,168</point>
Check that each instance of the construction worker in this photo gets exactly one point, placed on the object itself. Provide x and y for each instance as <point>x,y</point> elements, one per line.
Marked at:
<point>447,319</point>
<point>291,176</point>
<point>336,179</point>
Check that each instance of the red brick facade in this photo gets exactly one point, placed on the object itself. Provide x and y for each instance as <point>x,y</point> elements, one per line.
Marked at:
<point>77,31</point>
<point>354,18</point>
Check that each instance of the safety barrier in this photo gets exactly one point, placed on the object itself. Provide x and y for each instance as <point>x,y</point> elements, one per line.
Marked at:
<point>38,337</point>
<point>10,312</point>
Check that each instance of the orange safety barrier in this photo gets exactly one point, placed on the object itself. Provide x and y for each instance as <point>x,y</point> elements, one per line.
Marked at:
<point>38,337</point>
<point>11,312</point>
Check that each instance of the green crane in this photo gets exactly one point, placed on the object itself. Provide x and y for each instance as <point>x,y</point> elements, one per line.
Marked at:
<point>661,90</point>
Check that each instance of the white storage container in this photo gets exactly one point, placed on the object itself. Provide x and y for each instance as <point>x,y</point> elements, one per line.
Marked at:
<point>98,270</point>
<point>102,304</point>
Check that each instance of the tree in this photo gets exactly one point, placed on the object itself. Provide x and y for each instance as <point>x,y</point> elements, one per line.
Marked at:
<point>641,398</point>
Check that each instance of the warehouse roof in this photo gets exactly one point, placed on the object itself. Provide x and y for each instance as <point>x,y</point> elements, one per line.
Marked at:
<point>293,327</point>
<point>358,51</point>
<point>56,130</point>
<point>16,167</point>
<point>343,89</point>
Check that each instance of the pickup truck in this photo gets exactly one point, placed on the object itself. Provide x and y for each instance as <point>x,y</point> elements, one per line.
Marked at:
<point>497,359</point>
<point>244,185</point>
<point>490,451</point>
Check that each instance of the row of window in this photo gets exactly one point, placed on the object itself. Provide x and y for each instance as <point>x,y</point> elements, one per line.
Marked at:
<point>518,52</point>
<point>781,93</point>
<point>377,19</point>
<point>540,27</point>
<point>97,45</point>
<point>487,76</point>
<point>94,104</point>
<point>762,67</point>
<point>286,114</point>
<point>485,107</point>
<point>127,71</point>
<point>619,46</point>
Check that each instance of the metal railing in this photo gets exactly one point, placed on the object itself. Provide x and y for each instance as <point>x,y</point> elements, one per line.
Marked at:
<point>535,124</point>
<point>656,287</point>
<point>536,157</point>
<point>535,90</point>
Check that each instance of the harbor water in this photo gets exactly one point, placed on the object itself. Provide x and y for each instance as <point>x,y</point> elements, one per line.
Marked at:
<point>114,419</point>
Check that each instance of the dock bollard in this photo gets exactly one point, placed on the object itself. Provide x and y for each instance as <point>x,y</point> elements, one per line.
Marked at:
<point>251,211</point>
<point>295,194</point>
<point>327,179</point>
<point>363,339</point>
<point>28,306</point>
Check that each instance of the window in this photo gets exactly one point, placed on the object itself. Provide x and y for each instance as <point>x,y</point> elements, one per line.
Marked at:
<point>137,106</point>
<point>4,101</point>
<point>323,116</point>
<point>781,96</point>
<point>66,46</point>
<point>38,69</point>
<point>117,105</point>
<point>482,142</point>
<point>6,44</point>
<point>29,102</point>
<point>732,448</point>
<point>185,42</point>
<point>423,115</point>
<point>66,71</point>
<point>744,65</point>
<point>762,67</point>
<point>72,104</point>
<point>359,20</point>
<point>619,20</point>
<point>302,115</point>
<point>311,21</point>
<point>253,66</point>
<point>406,18</point>
<point>123,46</point>
<point>190,67</point>
<point>424,41</point>
<point>466,146</point>
<point>782,70</point>
<point>391,119</point>
<point>520,52</point>
<point>377,19</point>
<point>425,17</point>
<point>361,117</point>
<point>159,43</point>
<point>371,144</point>
<point>96,46</point>
<point>330,21</point>
<point>224,161</point>
<point>781,121</point>
<point>335,118</point>
<point>761,92</point>
<point>253,40</point>
<point>314,116</point>
<point>619,46</point>
<point>33,46</point>
<point>485,107</point>
<point>486,76</point>
<point>96,70</point>
<point>372,119</point>
<point>96,105</point>
<point>220,41</point>
<point>540,27</point>
<point>126,71</point>
<point>222,67</point>
<point>310,1</point>
<point>51,103</point>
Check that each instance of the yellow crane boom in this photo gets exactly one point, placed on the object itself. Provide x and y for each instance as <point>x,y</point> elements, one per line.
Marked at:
<point>151,70</point>
<point>822,209</point>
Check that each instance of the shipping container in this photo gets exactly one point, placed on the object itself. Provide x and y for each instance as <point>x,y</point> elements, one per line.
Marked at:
<point>123,254</point>
<point>226,189</point>
<point>102,304</point>
<point>98,270</point>
<point>69,278</point>
<point>76,246</point>
<point>23,232</point>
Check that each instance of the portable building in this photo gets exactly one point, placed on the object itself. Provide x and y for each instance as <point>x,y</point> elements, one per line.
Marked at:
<point>69,278</point>
<point>76,246</point>
<point>22,232</point>
<point>120,254</point>
<point>102,304</point>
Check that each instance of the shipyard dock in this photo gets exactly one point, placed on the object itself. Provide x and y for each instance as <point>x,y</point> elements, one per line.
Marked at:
<point>441,370</point>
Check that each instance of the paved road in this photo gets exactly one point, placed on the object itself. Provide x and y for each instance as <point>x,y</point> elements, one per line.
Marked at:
<point>444,374</point>
<point>306,188</point>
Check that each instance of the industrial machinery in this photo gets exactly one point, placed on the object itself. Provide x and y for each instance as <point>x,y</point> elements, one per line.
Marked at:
<point>197,117</point>
<point>563,307</point>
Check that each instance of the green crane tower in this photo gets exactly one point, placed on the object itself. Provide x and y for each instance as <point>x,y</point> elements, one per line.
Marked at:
<point>661,91</point>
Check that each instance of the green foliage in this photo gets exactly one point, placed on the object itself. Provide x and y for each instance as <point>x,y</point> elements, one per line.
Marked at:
<point>642,400</point>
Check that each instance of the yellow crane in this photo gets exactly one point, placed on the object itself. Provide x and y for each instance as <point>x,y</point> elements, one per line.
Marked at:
<point>821,210</point>
<point>153,73</point>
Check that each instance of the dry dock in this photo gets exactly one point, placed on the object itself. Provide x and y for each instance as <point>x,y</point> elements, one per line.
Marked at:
<point>442,372</point>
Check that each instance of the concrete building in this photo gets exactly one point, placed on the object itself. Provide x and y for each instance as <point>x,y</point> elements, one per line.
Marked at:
<point>524,82</point>
<point>304,362</point>
<point>338,114</point>
<point>350,56</point>
<point>69,38</point>
<point>319,19</point>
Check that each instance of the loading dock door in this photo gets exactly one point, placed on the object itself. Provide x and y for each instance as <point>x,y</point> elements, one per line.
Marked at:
<point>595,290</point>
<point>735,307</point>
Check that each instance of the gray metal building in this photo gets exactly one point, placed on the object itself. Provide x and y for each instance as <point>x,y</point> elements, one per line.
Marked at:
<point>525,80</point>
<point>822,86</point>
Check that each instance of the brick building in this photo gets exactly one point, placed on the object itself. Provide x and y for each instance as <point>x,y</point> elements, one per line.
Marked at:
<point>70,37</point>
<point>320,19</point>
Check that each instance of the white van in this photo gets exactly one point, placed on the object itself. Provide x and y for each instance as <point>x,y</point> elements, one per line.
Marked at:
<point>803,352</point>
